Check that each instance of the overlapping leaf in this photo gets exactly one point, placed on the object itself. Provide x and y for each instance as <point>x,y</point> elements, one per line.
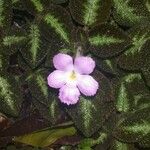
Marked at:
<point>134,127</point>
<point>10,98</point>
<point>129,13</point>
<point>91,112</point>
<point>138,55</point>
<point>131,93</point>
<point>89,13</point>
<point>35,6</point>
<point>106,40</point>
<point>44,98</point>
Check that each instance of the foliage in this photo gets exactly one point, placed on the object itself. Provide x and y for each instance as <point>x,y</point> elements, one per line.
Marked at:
<point>115,33</point>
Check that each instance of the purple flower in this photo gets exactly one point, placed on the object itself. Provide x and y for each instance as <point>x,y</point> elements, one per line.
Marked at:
<point>73,78</point>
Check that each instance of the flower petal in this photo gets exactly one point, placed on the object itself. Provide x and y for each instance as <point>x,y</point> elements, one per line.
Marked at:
<point>84,65</point>
<point>63,62</point>
<point>56,79</point>
<point>87,85</point>
<point>69,94</point>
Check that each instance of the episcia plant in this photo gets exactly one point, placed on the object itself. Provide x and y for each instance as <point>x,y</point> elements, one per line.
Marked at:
<point>75,74</point>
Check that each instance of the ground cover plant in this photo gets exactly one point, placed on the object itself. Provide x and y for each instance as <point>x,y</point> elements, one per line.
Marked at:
<point>111,112</point>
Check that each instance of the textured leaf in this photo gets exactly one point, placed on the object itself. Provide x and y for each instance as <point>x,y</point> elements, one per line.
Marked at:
<point>106,40</point>
<point>45,137</point>
<point>136,56</point>
<point>131,93</point>
<point>107,65</point>
<point>44,97</point>
<point>4,60</point>
<point>134,127</point>
<point>129,13</point>
<point>117,145</point>
<point>57,30</point>
<point>90,13</point>
<point>5,14</point>
<point>90,113</point>
<point>35,6</point>
<point>10,97</point>
<point>36,49</point>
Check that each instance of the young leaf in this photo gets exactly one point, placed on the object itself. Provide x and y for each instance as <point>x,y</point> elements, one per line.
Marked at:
<point>45,137</point>
<point>10,98</point>
<point>91,112</point>
<point>89,13</point>
<point>136,56</point>
<point>106,40</point>
<point>129,13</point>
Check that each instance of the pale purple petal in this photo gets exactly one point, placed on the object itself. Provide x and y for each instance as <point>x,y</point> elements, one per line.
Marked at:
<point>56,79</point>
<point>84,65</point>
<point>87,85</point>
<point>69,94</point>
<point>63,62</point>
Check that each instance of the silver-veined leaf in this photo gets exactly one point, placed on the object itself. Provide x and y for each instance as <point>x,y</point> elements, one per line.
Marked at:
<point>89,13</point>
<point>10,98</point>
<point>138,54</point>
<point>134,126</point>
<point>129,12</point>
<point>90,113</point>
<point>107,40</point>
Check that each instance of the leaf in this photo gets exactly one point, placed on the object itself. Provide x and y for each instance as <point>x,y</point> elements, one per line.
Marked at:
<point>4,60</point>
<point>59,1</point>
<point>45,137</point>
<point>117,145</point>
<point>106,40</point>
<point>57,29</point>
<point>5,14</point>
<point>44,97</point>
<point>136,56</point>
<point>35,6</point>
<point>90,113</point>
<point>36,49</point>
<point>131,93</point>
<point>89,13</point>
<point>129,13</point>
<point>134,126</point>
<point>10,98</point>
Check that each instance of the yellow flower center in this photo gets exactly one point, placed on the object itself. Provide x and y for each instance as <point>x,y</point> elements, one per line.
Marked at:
<point>73,75</point>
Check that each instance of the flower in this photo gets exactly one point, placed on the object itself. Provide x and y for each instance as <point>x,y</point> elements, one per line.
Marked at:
<point>72,78</point>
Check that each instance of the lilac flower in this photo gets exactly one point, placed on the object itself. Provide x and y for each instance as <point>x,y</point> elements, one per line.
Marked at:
<point>73,78</point>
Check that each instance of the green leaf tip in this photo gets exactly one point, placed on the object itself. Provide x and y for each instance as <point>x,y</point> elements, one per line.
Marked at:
<point>38,5</point>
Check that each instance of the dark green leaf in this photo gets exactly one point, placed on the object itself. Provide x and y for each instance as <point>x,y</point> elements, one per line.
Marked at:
<point>91,112</point>
<point>129,12</point>
<point>136,56</point>
<point>36,49</point>
<point>89,13</point>
<point>44,97</point>
<point>5,14</point>
<point>106,40</point>
<point>134,127</point>
<point>10,98</point>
